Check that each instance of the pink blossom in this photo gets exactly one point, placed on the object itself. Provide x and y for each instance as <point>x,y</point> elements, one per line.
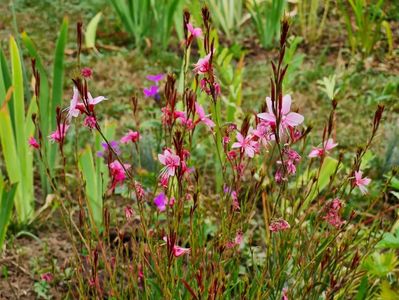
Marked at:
<point>73,110</point>
<point>287,118</point>
<point>205,86</point>
<point>279,225</point>
<point>246,144</point>
<point>179,251</point>
<point>180,115</point>
<point>87,72</point>
<point>139,190</point>
<point>151,92</point>
<point>237,240</point>
<point>203,65</point>
<point>333,215</point>
<point>156,78</point>
<point>361,183</point>
<point>48,277</point>
<point>33,143</point>
<point>129,212</point>
<point>170,161</point>
<point>321,151</point>
<point>117,172</point>
<point>94,101</point>
<point>90,122</point>
<point>131,136</point>
<point>262,133</point>
<point>161,201</point>
<point>195,31</point>
<point>284,297</point>
<point>202,117</point>
<point>164,180</point>
<point>59,134</point>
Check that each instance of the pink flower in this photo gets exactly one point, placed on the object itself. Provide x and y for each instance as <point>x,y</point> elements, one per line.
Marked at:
<point>179,251</point>
<point>202,117</point>
<point>205,86</point>
<point>160,201</point>
<point>361,183</point>
<point>118,172</point>
<point>59,134</point>
<point>279,225</point>
<point>87,72</point>
<point>139,190</point>
<point>287,118</point>
<point>203,65</point>
<point>195,31</point>
<point>284,297</point>
<point>73,110</point>
<point>170,161</point>
<point>151,92</point>
<point>333,215</point>
<point>180,115</point>
<point>129,212</point>
<point>94,101</point>
<point>47,277</point>
<point>90,122</point>
<point>33,143</point>
<point>321,151</point>
<point>246,144</point>
<point>131,136</point>
<point>237,240</point>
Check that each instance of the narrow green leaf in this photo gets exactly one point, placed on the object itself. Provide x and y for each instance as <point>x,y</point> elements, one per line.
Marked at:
<point>6,205</point>
<point>90,35</point>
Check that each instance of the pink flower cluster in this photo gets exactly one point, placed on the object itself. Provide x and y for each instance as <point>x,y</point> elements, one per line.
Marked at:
<point>279,225</point>
<point>333,213</point>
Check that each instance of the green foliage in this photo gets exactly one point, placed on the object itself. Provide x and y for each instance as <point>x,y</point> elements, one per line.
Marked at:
<point>90,34</point>
<point>312,25</point>
<point>7,194</point>
<point>266,17</point>
<point>148,20</point>
<point>368,18</point>
<point>381,264</point>
<point>389,240</point>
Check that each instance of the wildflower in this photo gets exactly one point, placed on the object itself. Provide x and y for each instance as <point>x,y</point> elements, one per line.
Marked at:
<point>177,250</point>
<point>278,176</point>
<point>180,115</point>
<point>87,72</point>
<point>231,155</point>
<point>47,277</point>
<point>160,201</point>
<point>151,92</point>
<point>246,144</point>
<point>226,140</point>
<point>279,225</point>
<point>204,86</point>
<point>139,190</point>
<point>202,117</point>
<point>361,183</point>
<point>170,161</point>
<point>94,101</point>
<point>90,122</point>
<point>73,110</point>
<point>155,78</point>
<point>114,146</point>
<point>333,216</point>
<point>33,143</point>
<point>262,133</point>
<point>237,240</point>
<point>203,65</point>
<point>321,151</point>
<point>128,212</point>
<point>131,136</point>
<point>287,118</point>
<point>164,180</point>
<point>195,31</point>
<point>59,134</point>
<point>118,172</point>
<point>284,297</point>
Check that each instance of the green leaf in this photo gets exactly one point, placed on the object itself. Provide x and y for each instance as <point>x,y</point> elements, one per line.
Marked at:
<point>380,265</point>
<point>6,205</point>
<point>90,35</point>
<point>387,293</point>
<point>389,240</point>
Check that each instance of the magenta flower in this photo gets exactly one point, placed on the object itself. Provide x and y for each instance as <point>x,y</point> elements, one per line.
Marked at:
<point>129,212</point>
<point>247,145</point>
<point>195,31</point>
<point>279,225</point>
<point>33,143</point>
<point>161,201</point>
<point>59,134</point>
<point>170,161</point>
<point>321,151</point>
<point>202,117</point>
<point>361,183</point>
<point>87,72</point>
<point>94,101</point>
<point>187,122</point>
<point>90,122</point>
<point>117,172</point>
<point>48,277</point>
<point>287,118</point>
<point>151,92</point>
<point>155,78</point>
<point>115,147</point>
<point>131,136</point>
<point>203,65</point>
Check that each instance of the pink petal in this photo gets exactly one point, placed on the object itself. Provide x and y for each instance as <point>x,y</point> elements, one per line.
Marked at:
<point>286,104</point>
<point>208,122</point>
<point>293,119</point>
<point>269,105</point>
<point>162,158</point>
<point>199,110</point>
<point>236,145</point>
<point>329,144</point>
<point>315,152</point>
<point>267,117</point>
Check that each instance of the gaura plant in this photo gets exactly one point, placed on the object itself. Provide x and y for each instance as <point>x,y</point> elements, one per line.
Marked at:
<point>279,224</point>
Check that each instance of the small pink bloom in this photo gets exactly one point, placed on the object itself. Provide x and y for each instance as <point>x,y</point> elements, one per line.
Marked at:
<point>333,215</point>
<point>87,72</point>
<point>170,161</point>
<point>33,143</point>
<point>203,65</point>
<point>279,225</point>
<point>180,115</point>
<point>160,201</point>
<point>202,117</point>
<point>321,151</point>
<point>73,110</point>
<point>90,122</point>
<point>94,101</point>
<point>59,134</point>
<point>118,172</point>
<point>226,140</point>
<point>278,176</point>
<point>246,144</point>
<point>164,180</point>
<point>131,136</point>
<point>284,297</point>
<point>48,277</point>
<point>287,118</point>
<point>205,86</point>
<point>129,212</point>
<point>236,242</point>
<point>195,31</point>
<point>155,78</point>
<point>361,183</point>
<point>179,251</point>
<point>151,92</point>
<point>232,154</point>
<point>139,190</point>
